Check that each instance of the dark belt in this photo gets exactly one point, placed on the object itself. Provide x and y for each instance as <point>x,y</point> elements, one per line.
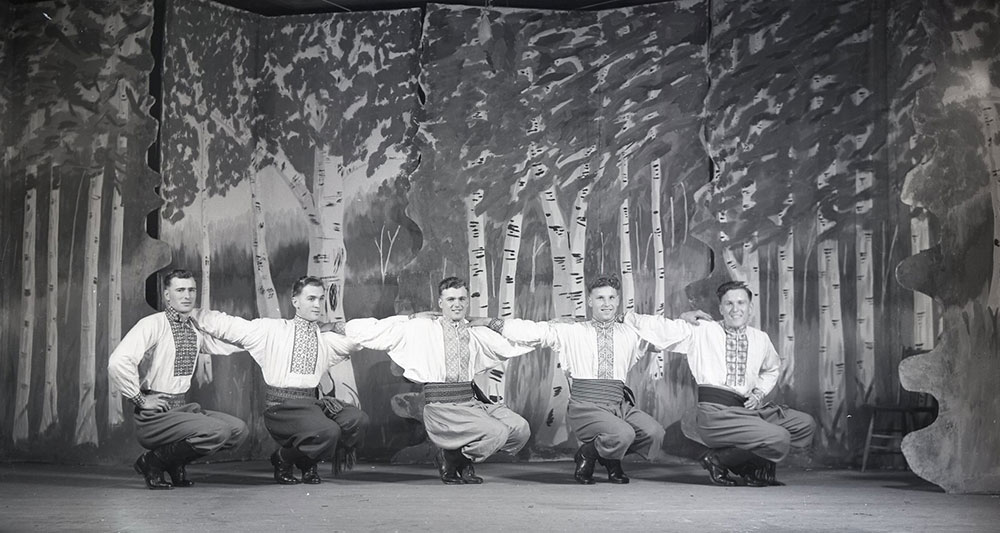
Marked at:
<point>597,390</point>
<point>448,392</point>
<point>278,395</point>
<point>720,396</point>
<point>173,400</point>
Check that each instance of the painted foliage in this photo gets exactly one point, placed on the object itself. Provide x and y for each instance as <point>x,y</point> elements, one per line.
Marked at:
<point>286,155</point>
<point>792,135</point>
<point>79,129</point>
<point>529,163</point>
<point>767,140</point>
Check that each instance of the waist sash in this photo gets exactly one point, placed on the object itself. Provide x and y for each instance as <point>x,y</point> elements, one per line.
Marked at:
<point>597,390</point>
<point>278,395</point>
<point>720,396</point>
<point>448,392</point>
<point>173,400</point>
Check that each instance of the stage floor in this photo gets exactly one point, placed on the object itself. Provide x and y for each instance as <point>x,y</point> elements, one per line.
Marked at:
<point>516,497</point>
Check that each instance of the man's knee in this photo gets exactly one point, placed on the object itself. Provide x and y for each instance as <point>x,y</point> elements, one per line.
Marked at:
<point>656,436</point>
<point>239,433</point>
<point>353,420</point>
<point>520,431</point>
<point>329,432</point>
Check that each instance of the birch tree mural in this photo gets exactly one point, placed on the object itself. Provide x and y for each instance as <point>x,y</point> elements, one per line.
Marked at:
<point>321,139</point>
<point>28,323</point>
<point>204,161</point>
<point>779,181</point>
<point>76,88</point>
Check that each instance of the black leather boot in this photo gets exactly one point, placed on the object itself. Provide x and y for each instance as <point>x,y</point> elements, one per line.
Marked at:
<point>585,458</point>
<point>743,463</point>
<point>468,473</point>
<point>453,461</point>
<point>149,466</point>
<point>762,473</point>
<point>615,473</point>
<point>310,474</point>
<point>717,471</point>
<point>283,469</point>
<point>176,456</point>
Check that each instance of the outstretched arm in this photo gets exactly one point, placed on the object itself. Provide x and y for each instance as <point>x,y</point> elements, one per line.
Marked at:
<point>664,333</point>
<point>241,332</point>
<point>535,334</point>
<point>385,334</point>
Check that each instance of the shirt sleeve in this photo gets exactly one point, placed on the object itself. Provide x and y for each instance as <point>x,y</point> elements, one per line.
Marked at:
<point>534,334</point>
<point>211,345</point>
<point>385,334</point>
<point>246,334</point>
<point>123,365</point>
<point>663,333</point>
<point>496,349</point>
<point>770,368</point>
<point>341,346</point>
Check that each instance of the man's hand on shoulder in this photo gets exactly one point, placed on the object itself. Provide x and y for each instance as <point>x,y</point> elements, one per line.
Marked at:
<point>693,317</point>
<point>337,327</point>
<point>426,314</point>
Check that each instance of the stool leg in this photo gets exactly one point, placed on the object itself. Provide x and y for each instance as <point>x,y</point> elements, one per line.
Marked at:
<point>868,441</point>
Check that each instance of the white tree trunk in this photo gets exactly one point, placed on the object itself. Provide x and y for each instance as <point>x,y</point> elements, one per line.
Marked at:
<point>786,308</point>
<point>201,169</point>
<point>508,270</point>
<point>267,296</point>
<point>50,391</point>
<point>86,422</point>
<point>864,370</point>
<point>28,313</point>
<point>328,255</point>
<point>625,243</point>
<point>990,124</point>
<point>117,227</point>
<point>923,305</point>
<point>559,248</point>
<point>831,341</point>
<point>578,250</point>
<point>479,296</point>
<point>659,269</point>
<point>129,46</point>
<point>495,384</point>
<point>555,433</point>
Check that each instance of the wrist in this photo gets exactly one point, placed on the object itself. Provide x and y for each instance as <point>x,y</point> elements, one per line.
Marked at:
<point>139,400</point>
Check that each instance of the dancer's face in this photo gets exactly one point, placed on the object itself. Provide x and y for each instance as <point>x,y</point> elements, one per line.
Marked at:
<point>736,308</point>
<point>603,302</point>
<point>181,295</point>
<point>454,303</point>
<point>309,304</point>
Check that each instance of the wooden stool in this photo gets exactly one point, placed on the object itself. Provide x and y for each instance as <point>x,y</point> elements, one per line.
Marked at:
<point>887,427</point>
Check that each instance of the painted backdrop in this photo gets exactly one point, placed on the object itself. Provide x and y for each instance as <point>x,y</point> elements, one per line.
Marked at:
<point>814,151</point>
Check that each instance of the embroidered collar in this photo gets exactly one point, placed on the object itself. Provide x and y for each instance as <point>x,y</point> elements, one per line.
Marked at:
<point>454,325</point>
<point>603,324</point>
<point>735,331</point>
<point>299,321</point>
<point>174,316</point>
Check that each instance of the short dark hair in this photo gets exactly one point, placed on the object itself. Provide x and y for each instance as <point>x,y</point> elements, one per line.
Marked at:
<point>305,281</point>
<point>177,273</point>
<point>605,280</point>
<point>452,282</point>
<point>732,286</point>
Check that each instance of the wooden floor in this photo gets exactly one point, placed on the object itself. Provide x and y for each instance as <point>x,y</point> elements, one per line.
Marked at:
<point>516,497</point>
